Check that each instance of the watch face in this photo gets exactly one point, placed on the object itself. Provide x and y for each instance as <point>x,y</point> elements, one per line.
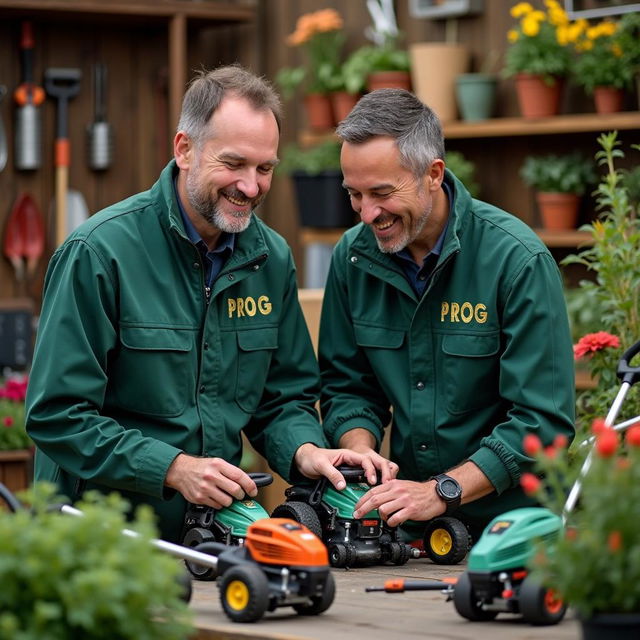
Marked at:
<point>449,488</point>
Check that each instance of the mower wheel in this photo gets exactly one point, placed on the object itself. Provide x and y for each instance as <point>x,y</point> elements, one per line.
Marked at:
<point>399,553</point>
<point>466,602</point>
<point>192,539</point>
<point>446,540</point>
<point>319,603</point>
<point>184,580</point>
<point>244,593</point>
<point>300,512</point>
<point>539,605</point>
<point>341,555</point>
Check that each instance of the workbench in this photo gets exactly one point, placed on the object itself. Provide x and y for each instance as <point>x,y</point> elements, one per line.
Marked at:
<point>357,614</point>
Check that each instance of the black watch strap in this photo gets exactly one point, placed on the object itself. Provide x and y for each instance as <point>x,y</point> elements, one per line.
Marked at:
<point>449,491</point>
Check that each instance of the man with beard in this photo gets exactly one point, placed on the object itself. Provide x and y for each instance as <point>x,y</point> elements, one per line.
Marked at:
<point>446,310</point>
<point>171,324</point>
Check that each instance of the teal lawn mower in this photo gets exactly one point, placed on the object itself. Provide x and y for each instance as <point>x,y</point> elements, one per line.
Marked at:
<point>226,526</point>
<point>497,578</point>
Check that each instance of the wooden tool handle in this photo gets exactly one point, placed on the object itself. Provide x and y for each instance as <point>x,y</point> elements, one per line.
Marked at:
<point>62,184</point>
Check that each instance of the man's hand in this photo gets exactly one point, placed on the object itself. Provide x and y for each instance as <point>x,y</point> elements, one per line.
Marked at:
<point>400,500</point>
<point>314,462</point>
<point>362,441</point>
<point>209,481</point>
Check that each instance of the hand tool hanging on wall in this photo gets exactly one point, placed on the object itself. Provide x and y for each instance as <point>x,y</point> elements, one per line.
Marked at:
<point>70,207</point>
<point>24,237</point>
<point>28,97</point>
<point>100,134</point>
<point>3,137</point>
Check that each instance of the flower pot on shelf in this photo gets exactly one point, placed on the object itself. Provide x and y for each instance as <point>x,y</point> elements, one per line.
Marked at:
<point>621,626</point>
<point>322,200</point>
<point>342,102</point>
<point>434,68</point>
<point>15,469</point>
<point>389,80</point>
<point>476,95</point>
<point>536,98</point>
<point>319,112</point>
<point>608,99</point>
<point>558,211</point>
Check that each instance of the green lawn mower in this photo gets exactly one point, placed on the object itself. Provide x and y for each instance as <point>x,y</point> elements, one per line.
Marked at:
<point>227,526</point>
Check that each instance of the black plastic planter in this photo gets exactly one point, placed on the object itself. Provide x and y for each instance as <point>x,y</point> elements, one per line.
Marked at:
<point>321,199</point>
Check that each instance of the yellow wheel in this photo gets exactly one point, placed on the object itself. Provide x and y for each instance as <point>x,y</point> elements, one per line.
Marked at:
<point>244,593</point>
<point>237,595</point>
<point>446,540</point>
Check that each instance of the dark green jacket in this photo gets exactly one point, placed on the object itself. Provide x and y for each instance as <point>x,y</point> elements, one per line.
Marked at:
<point>482,359</point>
<point>132,367</point>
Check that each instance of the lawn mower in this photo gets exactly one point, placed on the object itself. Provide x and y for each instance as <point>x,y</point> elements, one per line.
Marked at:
<point>497,577</point>
<point>227,525</point>
<point>329,514</point>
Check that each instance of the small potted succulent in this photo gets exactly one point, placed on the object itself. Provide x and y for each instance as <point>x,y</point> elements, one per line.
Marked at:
<point>559,181</point>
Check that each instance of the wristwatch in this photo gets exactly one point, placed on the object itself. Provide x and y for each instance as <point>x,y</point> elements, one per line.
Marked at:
<point>449,491</point>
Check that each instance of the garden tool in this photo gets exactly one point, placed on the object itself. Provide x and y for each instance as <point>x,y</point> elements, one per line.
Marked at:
<point>70,207</point>
<point>3,137</point>
<point>99,133</point>
<point>29,98</point>
<point>24,237</point>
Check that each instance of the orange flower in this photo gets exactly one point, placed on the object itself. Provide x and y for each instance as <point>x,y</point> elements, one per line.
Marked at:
<point>633,435</point>
<point>593,342</point>
<point>530,483</point>
<point>614,541</point>
<point>606,443</point>
<point>598,426</point>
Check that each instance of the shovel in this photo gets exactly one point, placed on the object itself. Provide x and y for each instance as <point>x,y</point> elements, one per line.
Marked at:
<point>70,207</point>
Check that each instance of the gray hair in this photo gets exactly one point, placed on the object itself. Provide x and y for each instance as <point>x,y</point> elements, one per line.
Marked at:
<point>208,88</point>
<point>400,115</point>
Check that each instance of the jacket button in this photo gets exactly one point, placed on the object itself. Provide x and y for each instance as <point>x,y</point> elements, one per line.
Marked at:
<point>423,447</point>
<point>354,259</point>
<point>202,388</point>
<point>256,267</point>
<point>206,346</point>
<point>230,276</point>
<point>420,386</point>
<point>196,265</point>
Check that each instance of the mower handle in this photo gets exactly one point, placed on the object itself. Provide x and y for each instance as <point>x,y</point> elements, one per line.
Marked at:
<point>351,474</point>
<point>261,479</point>
<point>625,371</point>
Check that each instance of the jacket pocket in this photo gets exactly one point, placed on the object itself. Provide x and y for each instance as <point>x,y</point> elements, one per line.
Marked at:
<point>378,337</point>
<point>470,371</point>
<point>154,372</point>
<point>255,350</point>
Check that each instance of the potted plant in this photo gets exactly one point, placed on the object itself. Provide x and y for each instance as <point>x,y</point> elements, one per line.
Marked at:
<point>15,445</point>
<point>629,41</point>
<point>600,67</point>
<point>80,577</point>
<point>317,180</point>
<point>559,181</point>
<point>593,562</point>
<point>464,170</point>
<point>321,35</point>
<point>476,91</point>
<point>539,56</point>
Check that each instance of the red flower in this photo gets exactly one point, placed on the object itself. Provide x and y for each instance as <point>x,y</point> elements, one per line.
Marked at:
<point>598,426</point>
<point>551,452</point>
<point>594,342</point>
<point>623,464</point>
<point>614,541</point>
<point>606,443</point>
<point>530,483</point>
<point>571,534</point>
<point>7,421</point>
<point>561,442</point>
<point>633,435</point>
<point>531,444</point>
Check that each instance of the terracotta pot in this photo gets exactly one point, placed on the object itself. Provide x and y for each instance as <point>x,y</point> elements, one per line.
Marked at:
<point>342,103</point>
<point>536,98</point>
<point>434,68</point>
<point>319,112</point>
<point>558,211</point>
<point>389,80</point>
<point>604,626</point>
<point>608,99</point>
<point>15,469</point>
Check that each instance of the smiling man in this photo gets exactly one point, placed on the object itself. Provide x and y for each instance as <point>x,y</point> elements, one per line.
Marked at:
<point>444,317</point>
<point>171,324</point>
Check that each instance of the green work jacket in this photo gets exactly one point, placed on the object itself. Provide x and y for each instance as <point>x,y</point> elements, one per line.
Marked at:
<point>483,358</point>
<point>133,365</point>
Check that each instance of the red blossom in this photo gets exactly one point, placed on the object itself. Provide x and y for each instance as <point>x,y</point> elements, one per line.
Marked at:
<point>530,483</point>
<point>633,435</point>
<point>614,541</point>
<point>598,426</point>
<point>551,452</point>
<point>623,464</point>
<point>606,443</point>
<point>571,534</point>
<point>531,444</point>
<point>7,421</point>
<point>593,342</point>
<point>561,442</point>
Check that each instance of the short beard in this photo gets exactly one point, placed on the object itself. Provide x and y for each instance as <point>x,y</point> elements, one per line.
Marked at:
<point>408,236</point>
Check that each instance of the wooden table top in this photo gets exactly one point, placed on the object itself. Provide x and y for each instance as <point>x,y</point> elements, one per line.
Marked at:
<point>357,614</point>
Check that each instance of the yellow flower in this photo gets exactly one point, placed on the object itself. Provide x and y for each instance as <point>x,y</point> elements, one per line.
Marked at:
<point>512,35</point>
<point>616,50</point>
<point>521,9</point>
<point>531,25</point>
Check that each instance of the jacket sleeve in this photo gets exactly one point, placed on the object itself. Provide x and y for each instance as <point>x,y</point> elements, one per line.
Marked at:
<point>77,334</point>
<point>286,417</point>
<point>351,395</point>
<point>537,378</point>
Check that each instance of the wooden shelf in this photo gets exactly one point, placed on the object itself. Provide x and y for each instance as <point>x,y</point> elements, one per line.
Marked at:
<point>573,123</point>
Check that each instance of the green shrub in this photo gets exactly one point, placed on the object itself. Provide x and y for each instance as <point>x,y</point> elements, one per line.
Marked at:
<point>312,160</point>
<point>464,170</point>
<point>68,577</point>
